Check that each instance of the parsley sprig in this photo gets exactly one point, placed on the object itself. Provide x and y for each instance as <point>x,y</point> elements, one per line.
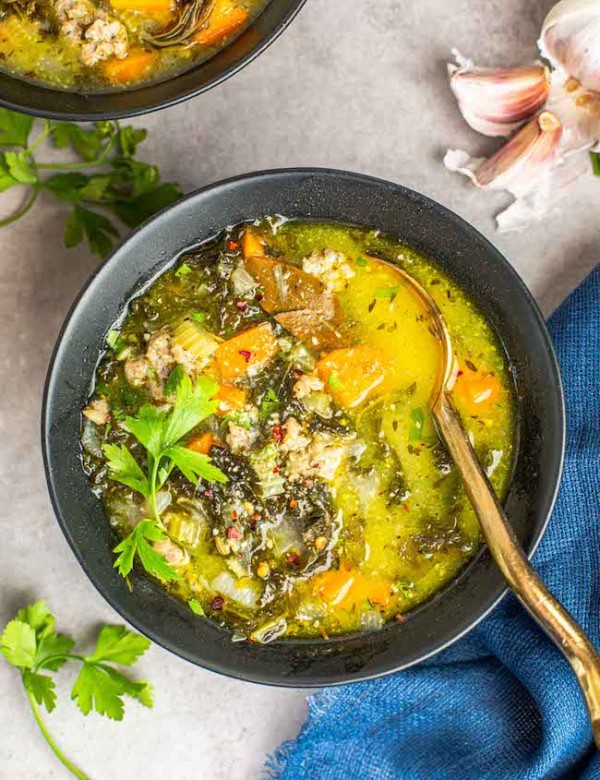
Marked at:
<point>160,432</point>
<point>107,176</point>
<point>31,643</point>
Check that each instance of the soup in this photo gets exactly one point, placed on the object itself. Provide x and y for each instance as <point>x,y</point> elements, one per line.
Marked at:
<point>261,438</point>
<point>103,45</point>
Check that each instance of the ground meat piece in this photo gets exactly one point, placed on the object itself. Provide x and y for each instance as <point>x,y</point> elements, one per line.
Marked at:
<point>158,353</point>
<point>331,267</point>
<point>185,359</point>
<point>79,12</point>
<point>98,412</point>
<point>306,385</point>
<point>294,438</point>
<point>136,371</point>
<point>240,439</point>
<point>173,554</point>
<point>320,459</point>
<point>104,39</point>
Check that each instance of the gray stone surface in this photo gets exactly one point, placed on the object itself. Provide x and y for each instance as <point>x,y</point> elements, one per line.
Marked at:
<point>356,84</point>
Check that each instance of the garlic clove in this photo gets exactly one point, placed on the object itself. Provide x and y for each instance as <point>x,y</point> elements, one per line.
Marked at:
<point>578,109</point>
<point>496,101</point>
<point>570,39</point>
<point>532,148</point>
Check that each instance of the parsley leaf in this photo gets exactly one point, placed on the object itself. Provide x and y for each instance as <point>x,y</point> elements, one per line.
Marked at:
<point>18,644</point>
<point>14,128</point>
<point>118,645</point>
<point>194,465</point>
<point>20,167</point>
<point>137,543</point>
<point>101,689</point>
<point>95,228</point>
<point>41,687</point>
<point>124,468</point>
<point>183,270</point>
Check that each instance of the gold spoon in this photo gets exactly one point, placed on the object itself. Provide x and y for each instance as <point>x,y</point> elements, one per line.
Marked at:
<point>499,535</point>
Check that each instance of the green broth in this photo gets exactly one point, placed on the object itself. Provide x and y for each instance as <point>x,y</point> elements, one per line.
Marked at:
<point>343,509</point>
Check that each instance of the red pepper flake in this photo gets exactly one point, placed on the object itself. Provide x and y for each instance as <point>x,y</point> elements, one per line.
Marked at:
<point>459,373</point>
<point>234,533</point>
<point>233,246</point>
<point>308,483</point>
<point>276,469</point>
<point>259,296</point>
<point>278,433</point>
<point>293,504</point>
<point>241,306</point>
<point>245,354</point>
<point>400,618</point>
<point>234,514</point>
<point>208,493</point>
<point>255,518</point>
<point>406,507</point>
<point>293,559</point>
<point>218,603</point>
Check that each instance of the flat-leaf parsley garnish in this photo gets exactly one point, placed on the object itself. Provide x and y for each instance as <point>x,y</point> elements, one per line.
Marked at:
<point>31,643</point>
<point>160,433</point>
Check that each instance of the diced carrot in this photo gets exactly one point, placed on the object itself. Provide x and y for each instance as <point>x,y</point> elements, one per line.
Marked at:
<point>352,375</point>
<point>132,68</point>
<point>231,398</point>
<point>252,245</point>
<point>475,391</point>
<point>347,588</point>
<point>203,443</point>
<point>226,19</point>
<point>161,7</point>
<point>248,352</point>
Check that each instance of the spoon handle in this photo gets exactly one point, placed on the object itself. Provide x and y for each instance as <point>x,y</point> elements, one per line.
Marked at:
<point>516,569</point>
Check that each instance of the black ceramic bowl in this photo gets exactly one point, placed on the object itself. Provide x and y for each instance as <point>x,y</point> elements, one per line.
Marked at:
<point>20,95</point>
<point>316,195</point>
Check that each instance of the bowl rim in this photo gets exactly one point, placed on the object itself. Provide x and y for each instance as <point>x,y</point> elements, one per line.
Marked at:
<point>152,104</point>
<point>501,589</point>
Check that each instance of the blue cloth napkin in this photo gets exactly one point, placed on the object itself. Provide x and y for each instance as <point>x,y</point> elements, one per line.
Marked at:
<point>501,704</point>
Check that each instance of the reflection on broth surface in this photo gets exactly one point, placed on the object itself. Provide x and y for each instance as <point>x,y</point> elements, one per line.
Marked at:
<point>105,45</point>
<point>342,508</point>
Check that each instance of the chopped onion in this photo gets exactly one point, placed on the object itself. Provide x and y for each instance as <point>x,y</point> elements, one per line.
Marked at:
<point>371,621</point>
<point>90,439</point>
<point>269,631</point>
<point>227,585</point>
<point>242,281</point>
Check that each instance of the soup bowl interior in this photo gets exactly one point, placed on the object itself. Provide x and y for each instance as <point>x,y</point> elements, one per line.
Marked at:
<point>331,196</point>
<point>34,98</point>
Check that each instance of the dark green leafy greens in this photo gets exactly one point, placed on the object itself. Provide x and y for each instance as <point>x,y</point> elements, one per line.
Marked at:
<point>107,182</point>
<point>160,433</point>
<point>31,643</point>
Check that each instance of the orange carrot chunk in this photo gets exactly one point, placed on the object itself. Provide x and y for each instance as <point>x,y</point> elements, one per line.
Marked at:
<point>203,443</point>
<point>162,7</point>
<point>251,245</point>
<point>231,398</point>
<point>352,375</point>
<point>225,20</point>
<point>474,391</point>
<point>246,353</point>
<point>348,588</point>
<point>132,68</point>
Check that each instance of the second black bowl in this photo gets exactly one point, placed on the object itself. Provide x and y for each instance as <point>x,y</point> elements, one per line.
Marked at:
<point>30,98</point>
<point>336,197</point>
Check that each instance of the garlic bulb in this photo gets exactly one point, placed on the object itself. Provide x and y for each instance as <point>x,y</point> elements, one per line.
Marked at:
<point>543,159</point>
<point>570,39</point>
<point>496,101</point>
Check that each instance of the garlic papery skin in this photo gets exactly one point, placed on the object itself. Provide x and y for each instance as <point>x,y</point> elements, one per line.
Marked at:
<point>496,101</point>
<point>518,161</point>
<point>570,39</point>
